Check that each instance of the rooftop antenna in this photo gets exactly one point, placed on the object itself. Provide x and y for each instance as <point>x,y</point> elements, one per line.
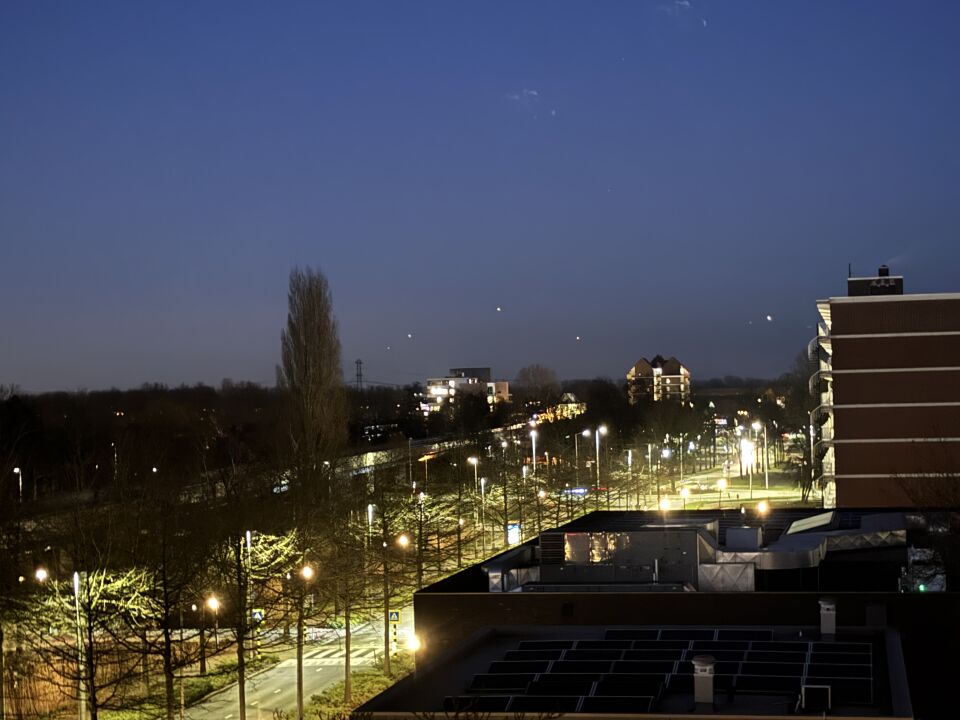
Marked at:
<point>849,270</point>
<point>359,364</point>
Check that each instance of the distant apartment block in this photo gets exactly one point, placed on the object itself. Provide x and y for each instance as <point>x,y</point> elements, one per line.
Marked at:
<point>443,392</point>
<point>658,379</point>
<point>887,429</point>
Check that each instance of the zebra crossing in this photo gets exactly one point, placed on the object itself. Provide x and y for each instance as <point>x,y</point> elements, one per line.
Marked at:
<point>332,657</point>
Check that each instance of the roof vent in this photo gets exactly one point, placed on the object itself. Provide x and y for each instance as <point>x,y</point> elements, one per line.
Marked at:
<point>703,679</point>
<point>828,617</point>
<point>884,271</point>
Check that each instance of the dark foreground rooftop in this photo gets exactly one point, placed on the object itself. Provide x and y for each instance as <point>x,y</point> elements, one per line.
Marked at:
<point>639,671</point>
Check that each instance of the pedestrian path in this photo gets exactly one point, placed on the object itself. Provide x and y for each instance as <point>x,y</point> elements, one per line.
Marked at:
<point>331,657</point>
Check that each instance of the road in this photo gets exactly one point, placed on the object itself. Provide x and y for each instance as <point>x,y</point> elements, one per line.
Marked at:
<point>276,688</point>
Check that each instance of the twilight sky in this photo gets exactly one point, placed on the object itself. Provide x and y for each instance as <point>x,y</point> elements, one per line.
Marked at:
<point>654,177</point>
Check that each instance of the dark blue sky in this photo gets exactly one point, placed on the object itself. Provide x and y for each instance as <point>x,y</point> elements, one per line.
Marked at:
<point>653,177</point>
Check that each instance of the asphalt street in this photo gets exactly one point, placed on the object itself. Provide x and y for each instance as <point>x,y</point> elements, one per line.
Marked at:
<point>276,688</point>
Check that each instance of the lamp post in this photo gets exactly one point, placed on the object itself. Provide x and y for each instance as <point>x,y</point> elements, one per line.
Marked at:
<point>541,494</point>
<point>602,430</point>
<point>684,493</point>
<point>214,604</point>
<point>473,460</point>
<point>483,515</point>
<point>81,676</point>
<point>533,439</point>
<point>420,499</point>
<point>306,573</point>
<point>721,486</point>
<point>19,473</point>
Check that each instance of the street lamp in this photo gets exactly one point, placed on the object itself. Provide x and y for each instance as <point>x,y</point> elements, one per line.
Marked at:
<point>403,541</point>
<point>307,573</point>
<point>602,430</point>
<point>684,493</point>
<point>533,439</point>
<point>483,515</point>
<point>214,606</point>
<point>473,460</point>
<point>19,473</point>
<point>721,486</point>
<point>81,690</point>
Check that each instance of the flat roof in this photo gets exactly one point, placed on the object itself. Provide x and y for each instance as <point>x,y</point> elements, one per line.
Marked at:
<point>890,298</point>
<point>647,671</point>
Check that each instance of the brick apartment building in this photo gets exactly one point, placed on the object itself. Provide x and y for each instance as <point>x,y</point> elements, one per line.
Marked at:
<point>888,382</point>
<point>658,379</point>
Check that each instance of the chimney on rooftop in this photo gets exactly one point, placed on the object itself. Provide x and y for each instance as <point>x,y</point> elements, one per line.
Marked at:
<point>884,271</point>
<point>828,617</point>
<point>703,679</point>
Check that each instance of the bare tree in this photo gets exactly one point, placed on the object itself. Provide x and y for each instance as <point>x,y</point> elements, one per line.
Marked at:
<point>537,384</point>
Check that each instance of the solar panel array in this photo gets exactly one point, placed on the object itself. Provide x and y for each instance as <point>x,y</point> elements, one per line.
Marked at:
<point>633,670</point>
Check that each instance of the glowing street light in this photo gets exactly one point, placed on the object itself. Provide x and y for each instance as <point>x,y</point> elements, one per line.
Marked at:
<point>721,486</point>
<point>403,541</point>
<point>664,504</point>
<point>533,439</point>
<point>473,460</point>
<point>41,574</point>
<point>307,573</point>
<point>19,473</point>
<point>214,604</point>
<point>763,507</point>
<point>684,493</point>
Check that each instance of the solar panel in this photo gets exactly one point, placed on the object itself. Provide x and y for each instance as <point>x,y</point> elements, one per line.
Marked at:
<point>710,645</point>
<point>744,634</point>
<point>661,644</point>
<point>641,685</point>
<point>580,666</point>
<point>622,705</point>
<point>653,654</point>
<point>545,644</point>
<point>501,682</point>
<point>632,668</point>
<point>728,655</point>
<point>775,657</point>
<point>533,655</point>
<point>763,684</point>
<point>780,646</point>
<point>604,644</point>
<point>722,667</point>
<point>631,634</point>
<point>559,687</point>
<point>593,654</point>
<point>519,666</point>
<point>771,668</point>
<point>643,666</point>
<point>687,634</point>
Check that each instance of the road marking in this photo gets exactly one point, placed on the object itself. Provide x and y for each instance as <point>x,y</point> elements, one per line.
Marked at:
<point>255,702</point>
<point>277,691</point>
<point>227,717</point>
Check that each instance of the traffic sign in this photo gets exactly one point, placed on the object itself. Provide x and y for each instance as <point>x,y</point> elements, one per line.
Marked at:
<point>394,616</point>
<point>257,614</point>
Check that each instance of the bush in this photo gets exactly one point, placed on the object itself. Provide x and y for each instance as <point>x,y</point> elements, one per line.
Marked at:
<point>367,683</point>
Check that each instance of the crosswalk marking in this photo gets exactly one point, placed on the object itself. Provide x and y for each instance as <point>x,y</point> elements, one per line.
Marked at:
<point>332,657</point>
